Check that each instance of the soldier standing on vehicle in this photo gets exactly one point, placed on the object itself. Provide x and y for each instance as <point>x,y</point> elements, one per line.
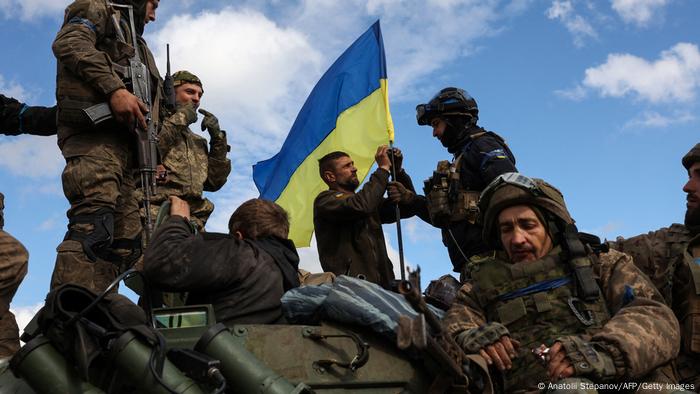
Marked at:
<point>188,167</point>
<point>18,118</point>
<point>348,225</point>
<point>670,257</point>
<point>590,316</point>
<point>13,267</point>
<point>453,190</point>
<point>94,49</point>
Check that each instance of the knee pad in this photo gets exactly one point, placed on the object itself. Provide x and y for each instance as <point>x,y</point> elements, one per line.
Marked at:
<point>96,242</point>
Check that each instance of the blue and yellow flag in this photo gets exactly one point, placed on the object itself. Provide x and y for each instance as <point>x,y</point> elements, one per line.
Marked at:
<point>348,110</point>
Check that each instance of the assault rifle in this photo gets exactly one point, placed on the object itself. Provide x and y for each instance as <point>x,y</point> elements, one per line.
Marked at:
<point>138,82</point>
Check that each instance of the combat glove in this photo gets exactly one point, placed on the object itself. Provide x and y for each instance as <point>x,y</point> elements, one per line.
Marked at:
<point>211,124</point>
<point>588,360</point>
<point>185,115</point>
<point>399,194</point>
<point>475,339</point>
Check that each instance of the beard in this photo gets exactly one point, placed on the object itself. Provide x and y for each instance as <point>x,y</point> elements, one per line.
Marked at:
<point>692,219</point>
<point>350,184</point>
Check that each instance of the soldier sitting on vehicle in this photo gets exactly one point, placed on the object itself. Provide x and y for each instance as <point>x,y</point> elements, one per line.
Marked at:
<point>591,316</point>
<point>243,274</point>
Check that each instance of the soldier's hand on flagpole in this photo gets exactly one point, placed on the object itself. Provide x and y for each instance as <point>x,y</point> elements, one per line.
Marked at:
<point>398,159</point>
<point>126,108</point>
<point>382,158</point>
<point>179,207</point>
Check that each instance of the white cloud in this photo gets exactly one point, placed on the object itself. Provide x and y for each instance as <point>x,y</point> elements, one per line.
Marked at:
<point>577,25</point>
<point>653,119</point>
<point>24,314</point>
<point>31,156</point>
<point>13,89</point>
<point>418,231</point>
<point>674,77</point>
<point>28,10</point>
<point>639,12</point>
<point>577,93</point>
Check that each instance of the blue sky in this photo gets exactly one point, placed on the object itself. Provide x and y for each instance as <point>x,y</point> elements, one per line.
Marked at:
<point>598,97</point>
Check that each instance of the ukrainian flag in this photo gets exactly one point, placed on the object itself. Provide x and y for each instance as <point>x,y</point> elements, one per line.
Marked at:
<point>348,110</point>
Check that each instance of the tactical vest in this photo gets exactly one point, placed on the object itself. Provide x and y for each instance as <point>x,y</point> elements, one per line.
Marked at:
<point>536,301</point>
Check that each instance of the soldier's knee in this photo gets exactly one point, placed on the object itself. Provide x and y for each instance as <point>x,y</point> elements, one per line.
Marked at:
<point>95,232</point>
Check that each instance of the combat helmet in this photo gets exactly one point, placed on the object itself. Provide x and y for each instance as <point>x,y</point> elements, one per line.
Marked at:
<point>449,101</point>
<point>513,188</point>
<point>691,157</point>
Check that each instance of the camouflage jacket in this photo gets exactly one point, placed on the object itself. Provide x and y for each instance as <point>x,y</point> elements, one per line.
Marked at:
<point>665,256</point>
<point>17,118</point>
<point>92,63</point>
<point>348,228</point>
<point>192,168</point>
<point>640,334</point>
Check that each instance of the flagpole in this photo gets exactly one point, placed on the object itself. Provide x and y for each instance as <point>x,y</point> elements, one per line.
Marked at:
<point>398,214</point>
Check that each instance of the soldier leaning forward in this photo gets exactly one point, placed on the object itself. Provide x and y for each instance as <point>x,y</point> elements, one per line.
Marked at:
<point>188,167</point>
<point>94,48</point>
<point>592,317</point>
<point>13,268</point>
<point>453,190</point>
<point>670,257</point>
<point>18,118</point>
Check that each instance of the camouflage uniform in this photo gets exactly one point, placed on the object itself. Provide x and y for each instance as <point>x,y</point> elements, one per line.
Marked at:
<point>640,334</point>
<point>18,118</point>
<point>191,167</point>
<point>13,268</point>
<point>104,225</point>
<point>667,257</point>
<point>544,301</point>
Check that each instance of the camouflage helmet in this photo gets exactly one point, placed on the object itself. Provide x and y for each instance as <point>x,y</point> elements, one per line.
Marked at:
<point>442,291</point>
<point>692,157</point>
<point>184,76</point>
<point>448,101</point>
<point>511,189</point>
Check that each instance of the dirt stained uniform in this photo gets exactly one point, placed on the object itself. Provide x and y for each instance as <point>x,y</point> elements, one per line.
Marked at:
<point>104,226</point>
<point>13,267</point>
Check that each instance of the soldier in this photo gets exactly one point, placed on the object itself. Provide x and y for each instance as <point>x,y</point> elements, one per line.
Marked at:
<point>348,225</point>
<point>243,274</point>
<point>18,118</point>
<point>188,167</point>
<point>669,256</point>
<point>94,48</point>
<point>453,190</point>
<point>591,316</point>
<point>13,268</point>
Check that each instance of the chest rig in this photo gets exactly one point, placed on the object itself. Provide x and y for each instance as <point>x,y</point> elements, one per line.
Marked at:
<point>537,301</point>
<point>448,200</point>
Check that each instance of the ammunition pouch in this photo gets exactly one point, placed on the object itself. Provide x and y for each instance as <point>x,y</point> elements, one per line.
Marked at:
<point>587,360</point>
<point>475,339</point>
<point>447,201</point>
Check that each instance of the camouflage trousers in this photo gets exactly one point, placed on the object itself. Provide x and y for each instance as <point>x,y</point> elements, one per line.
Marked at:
<point>13,268</point>
<point>99,176</point>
